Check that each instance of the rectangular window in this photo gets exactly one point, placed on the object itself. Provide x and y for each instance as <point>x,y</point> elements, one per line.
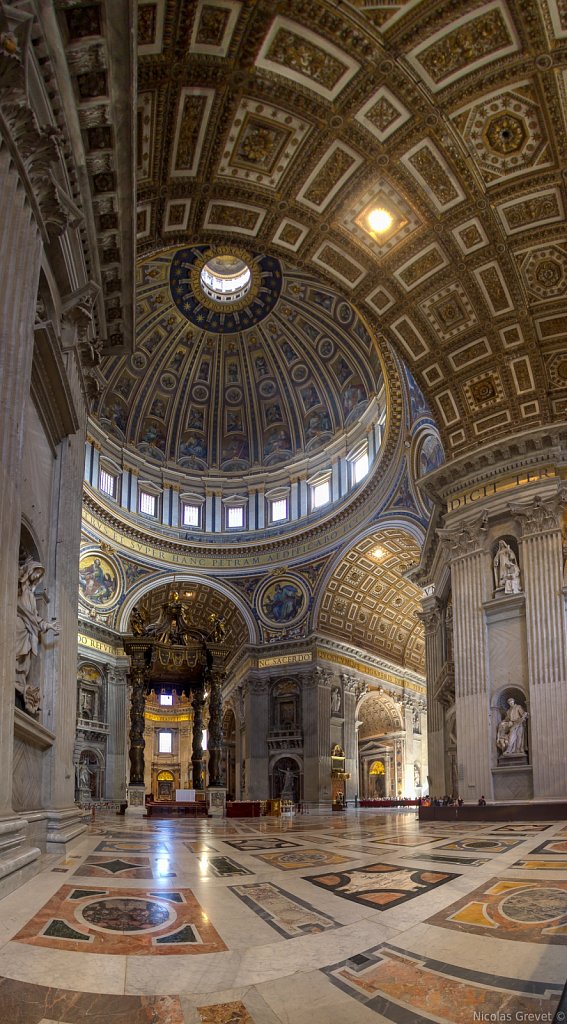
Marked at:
<point>148,503</point>
<point>166,698</point>
<point>320,494</point>
<point>279,510</point>
<point>107,483</point>
<point>235,517</point>
<point>191,515</point>
<point>360,467</point>
<point>164,743</point>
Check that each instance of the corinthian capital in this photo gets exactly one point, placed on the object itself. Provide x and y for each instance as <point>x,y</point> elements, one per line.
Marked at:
<point>541,515</point>
<point>431,619</point>
<point>465,539</point>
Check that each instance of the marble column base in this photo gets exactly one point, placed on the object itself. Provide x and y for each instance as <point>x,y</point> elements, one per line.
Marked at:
<point>17,858</point>
<point>216,801</point>
<point>63,826</point>
<point>136,796</point>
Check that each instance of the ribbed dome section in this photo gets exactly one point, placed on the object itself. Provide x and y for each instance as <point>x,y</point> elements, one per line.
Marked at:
<point>241,385</point>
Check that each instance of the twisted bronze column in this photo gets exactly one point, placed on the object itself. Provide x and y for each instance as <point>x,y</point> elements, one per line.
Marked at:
<point>215,730</point>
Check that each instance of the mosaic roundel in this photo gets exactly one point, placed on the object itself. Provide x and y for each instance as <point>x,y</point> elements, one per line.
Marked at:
<point>127,914</point>
<point>194,307</point>
<point>99,582</point>
<point>283,601</point>
<point>535,905</point>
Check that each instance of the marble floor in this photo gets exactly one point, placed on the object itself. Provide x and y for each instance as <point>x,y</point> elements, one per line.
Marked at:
<point>362,917</point>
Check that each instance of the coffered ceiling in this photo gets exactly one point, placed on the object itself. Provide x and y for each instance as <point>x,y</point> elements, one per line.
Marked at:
<point>368,601</point>
<point>280,127</point>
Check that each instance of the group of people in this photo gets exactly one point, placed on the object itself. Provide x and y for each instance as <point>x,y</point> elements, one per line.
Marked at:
<point>442,801</point>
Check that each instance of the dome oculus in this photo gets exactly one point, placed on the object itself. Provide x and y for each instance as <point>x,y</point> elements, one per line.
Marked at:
<point>225,278</point>
<point>226,288</point>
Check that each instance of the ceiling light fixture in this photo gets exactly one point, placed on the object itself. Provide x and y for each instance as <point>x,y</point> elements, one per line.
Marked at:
<point>380,220</point>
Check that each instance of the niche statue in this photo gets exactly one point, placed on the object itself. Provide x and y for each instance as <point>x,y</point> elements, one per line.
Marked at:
<point>29,627</point>
<point>506,569</point>
<point>511,736</point>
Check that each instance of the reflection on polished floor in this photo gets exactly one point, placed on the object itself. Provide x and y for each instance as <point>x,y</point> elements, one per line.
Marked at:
<point>366,916</point>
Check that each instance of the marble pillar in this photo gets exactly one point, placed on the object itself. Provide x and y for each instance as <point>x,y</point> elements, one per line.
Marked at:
<point>257,706</point>
<point>435,763</point>
<point>350,743</point>
<point>316,738</point>
<point>215,730</point>
<point>546,631</point>
<point>470,576</point>
<point>117,691</point>
<point>136,787</point>
<point>408,786</point>
<point>20,257</point>
<point>197,756</point>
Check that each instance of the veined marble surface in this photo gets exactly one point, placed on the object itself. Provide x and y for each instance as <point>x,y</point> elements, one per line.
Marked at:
<point>369,917</point>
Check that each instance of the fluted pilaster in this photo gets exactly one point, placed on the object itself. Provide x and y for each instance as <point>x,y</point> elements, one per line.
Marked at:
<point>317,737</point>
<point>469,590</point>
<point>546,641</point>
<point>20,255</point>
<point>433,629</point>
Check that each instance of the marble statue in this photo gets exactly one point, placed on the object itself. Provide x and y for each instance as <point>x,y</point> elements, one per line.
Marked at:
<point>172,625</point>
<point>506,569</point>
<point>288,788</point>
<point>335,700</point>
<point>29,628</point>
<point>218,628</point>
<point>511,736</point>
<point>84,777</point>
<point>137,622</point>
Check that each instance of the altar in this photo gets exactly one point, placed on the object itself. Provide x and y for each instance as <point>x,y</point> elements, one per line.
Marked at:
<point>166,808</point>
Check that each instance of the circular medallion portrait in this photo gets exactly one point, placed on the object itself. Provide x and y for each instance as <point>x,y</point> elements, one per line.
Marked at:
<point>99,582</point>
<point>283,601</point>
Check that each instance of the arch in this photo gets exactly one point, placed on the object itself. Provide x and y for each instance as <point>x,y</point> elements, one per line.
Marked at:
<point>372,605</point>
<point>136,593</point>
<point>387,521</point>
<point>392,715</point>
<point>280,764</point>
<point>381,737</point>
<point>500,706</point>
<point>94,758</point>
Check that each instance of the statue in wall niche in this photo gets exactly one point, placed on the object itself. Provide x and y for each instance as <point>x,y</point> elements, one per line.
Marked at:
<point>84,777</point>
<point>511,735</point>
<point>29,627</point>
<point>506,569</point>
<point>335,700</point>
<point>287,776</point>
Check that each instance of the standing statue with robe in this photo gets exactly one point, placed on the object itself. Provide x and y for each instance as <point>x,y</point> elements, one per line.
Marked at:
<point>29,627</point>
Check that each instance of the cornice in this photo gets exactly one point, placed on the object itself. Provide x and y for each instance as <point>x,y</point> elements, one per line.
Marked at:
<point>533,448</point>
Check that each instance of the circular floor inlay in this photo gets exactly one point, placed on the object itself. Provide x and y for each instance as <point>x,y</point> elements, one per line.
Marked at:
<point>126,914</point>
<point>535,905</point>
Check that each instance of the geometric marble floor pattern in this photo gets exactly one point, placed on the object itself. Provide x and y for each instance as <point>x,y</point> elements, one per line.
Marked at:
<point>297,921</point>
